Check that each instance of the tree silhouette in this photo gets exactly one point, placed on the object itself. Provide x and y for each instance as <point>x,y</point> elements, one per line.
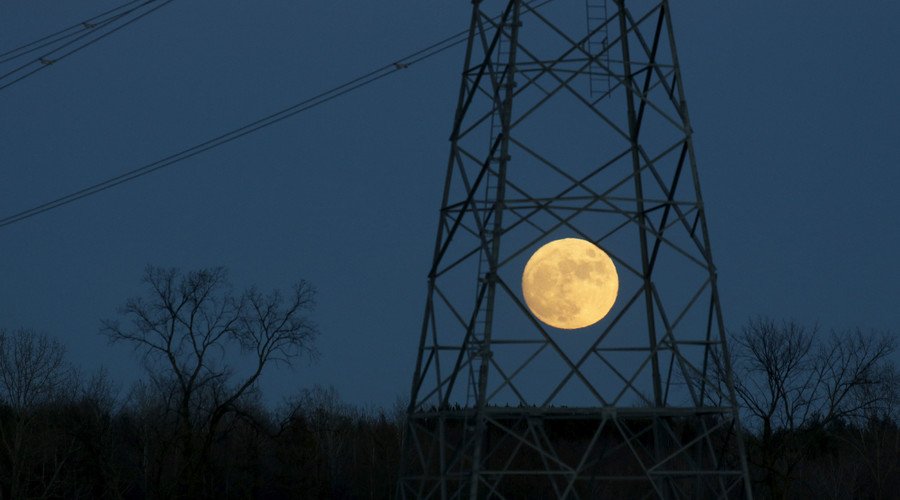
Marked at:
<point>33,376</point>
<point>190,330</point>
<point>795,384</point>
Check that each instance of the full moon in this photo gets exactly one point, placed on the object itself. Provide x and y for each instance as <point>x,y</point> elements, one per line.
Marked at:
<point>570,283</point>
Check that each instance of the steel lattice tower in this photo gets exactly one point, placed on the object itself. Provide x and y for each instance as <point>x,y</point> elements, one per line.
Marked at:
<point>572,122</point>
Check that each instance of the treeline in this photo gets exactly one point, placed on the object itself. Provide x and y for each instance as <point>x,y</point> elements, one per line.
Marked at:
<point>836,461</point>
<point>86,444</point>
<point>194,426</point>
<point>819,410</point>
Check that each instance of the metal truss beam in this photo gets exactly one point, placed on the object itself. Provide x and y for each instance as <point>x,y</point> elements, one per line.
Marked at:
<point>641,404</point>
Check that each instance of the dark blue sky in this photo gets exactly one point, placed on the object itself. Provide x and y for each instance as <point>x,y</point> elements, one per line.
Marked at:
<point>794,107</point>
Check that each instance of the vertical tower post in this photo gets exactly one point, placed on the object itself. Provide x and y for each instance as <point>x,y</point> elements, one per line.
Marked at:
<point>566,132</point>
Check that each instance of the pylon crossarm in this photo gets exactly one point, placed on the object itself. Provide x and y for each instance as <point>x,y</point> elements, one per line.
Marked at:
<point>518,206</point>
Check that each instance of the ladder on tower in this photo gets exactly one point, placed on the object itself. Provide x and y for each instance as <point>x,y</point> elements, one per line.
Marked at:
<point>500,66</point>
<point>597,44</point>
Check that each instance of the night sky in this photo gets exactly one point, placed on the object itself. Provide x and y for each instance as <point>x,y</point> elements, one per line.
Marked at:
<point>794,107</point>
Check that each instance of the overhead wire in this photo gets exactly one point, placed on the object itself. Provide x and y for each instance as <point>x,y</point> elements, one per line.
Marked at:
<point>49,58</point>
<point>81,26</point>
<point>239,132</point>
<point>261,123</point>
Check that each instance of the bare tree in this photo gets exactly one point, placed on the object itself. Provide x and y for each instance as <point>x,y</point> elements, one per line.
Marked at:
<point>331,449</point>
<point>189,329</point>
<point>32,368</point>
<point>320,412</point>
<point>33,375</point>
<point>791,380</point>
<point>876,442</point>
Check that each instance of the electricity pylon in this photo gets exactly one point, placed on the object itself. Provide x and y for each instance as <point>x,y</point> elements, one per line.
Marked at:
<point>572,122</point>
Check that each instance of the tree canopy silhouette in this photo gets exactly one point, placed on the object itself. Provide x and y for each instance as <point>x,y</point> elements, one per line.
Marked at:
<point>205,349</point>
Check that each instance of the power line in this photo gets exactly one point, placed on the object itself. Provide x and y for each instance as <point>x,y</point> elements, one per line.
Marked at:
<point>305,105</point>
<point>83,25</point>
<point>222,139</point>
<point>49,58</point>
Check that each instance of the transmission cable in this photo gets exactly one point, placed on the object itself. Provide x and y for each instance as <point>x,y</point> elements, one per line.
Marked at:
<point>231,135</point>
<point>87,24</point>
<point>47,59</point>
<point>261,123</point>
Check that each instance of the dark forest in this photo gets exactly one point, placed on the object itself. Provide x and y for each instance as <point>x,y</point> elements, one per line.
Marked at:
<point>819,409</point>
